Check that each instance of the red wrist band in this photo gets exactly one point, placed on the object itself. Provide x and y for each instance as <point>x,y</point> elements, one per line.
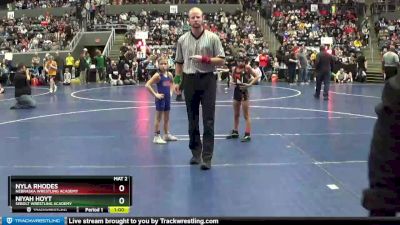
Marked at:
<point>205,59</point>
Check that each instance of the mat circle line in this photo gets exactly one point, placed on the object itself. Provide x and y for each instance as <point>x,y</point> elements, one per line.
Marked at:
<point>139,107</point>
<point>73,94</point>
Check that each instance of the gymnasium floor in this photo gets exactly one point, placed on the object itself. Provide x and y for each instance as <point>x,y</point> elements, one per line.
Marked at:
<point>307,156</point>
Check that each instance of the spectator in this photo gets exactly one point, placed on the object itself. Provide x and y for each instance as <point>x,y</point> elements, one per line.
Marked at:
<point>84,63</point>
<point>100,65</point>
<point>292,64</point>
<point>60,66</point>
<point>303,63</point>
<point>67,77</point>
<point>126,75</point>
<point>361,67</point>
<point>343,77</point>
<point>69,62</point>
<point>23,89</point>
<point>51,68</point>
<point>114,75</point>
<point>3,80</point>
<point>263,61</point>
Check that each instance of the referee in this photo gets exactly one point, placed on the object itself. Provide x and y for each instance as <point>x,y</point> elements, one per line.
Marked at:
<point>198,51</point>
<point>382,197</point>
<point>390,63</point>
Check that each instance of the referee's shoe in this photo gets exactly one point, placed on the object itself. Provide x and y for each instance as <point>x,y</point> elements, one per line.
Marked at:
<point>205,165</point>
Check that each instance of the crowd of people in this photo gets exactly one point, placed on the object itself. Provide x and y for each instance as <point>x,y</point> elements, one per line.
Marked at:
<point>238,33</point>
<point>31,4</point>
<point>93,11</point>
<point>42,33</point>
<point>388,33</point>
<point>297,28</point>
<point>337,25</point>
<point>304,26</point>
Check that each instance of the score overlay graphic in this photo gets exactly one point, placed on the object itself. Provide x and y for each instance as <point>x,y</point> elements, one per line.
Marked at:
<point>90,194</point>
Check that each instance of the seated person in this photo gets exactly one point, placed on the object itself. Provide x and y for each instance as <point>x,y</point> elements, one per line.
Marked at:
<point>342,77</point>
<point>151,68</point>
<point>113,75</point>
<point>67,77</point>
<point>126,75</point>
<point>361,76</point>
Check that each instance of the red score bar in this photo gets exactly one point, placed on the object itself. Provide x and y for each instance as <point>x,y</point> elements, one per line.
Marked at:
<point>82,189</point>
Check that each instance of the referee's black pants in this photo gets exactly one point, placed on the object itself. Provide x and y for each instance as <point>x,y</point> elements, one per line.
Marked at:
<point>323,77</point>
<point>200,89</point>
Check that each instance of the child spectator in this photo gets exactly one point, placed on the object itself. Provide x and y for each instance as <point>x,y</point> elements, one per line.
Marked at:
<point>67,77</point>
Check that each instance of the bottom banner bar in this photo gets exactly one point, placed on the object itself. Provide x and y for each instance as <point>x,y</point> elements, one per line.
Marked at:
<point>60,209</point>
<point>140,221</point>
<point>238,220</point>
<point>41,220</point>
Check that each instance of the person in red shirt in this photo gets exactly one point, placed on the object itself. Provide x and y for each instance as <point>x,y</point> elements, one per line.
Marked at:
<point>277,13</point>
<point>350,16</point>
<point>213,28</point>
<point>349,30</point>
<point>333,22</point>
<point>296,49</point>
<point>323,12</point>
<point>302,12</point>
<point>263,61</point>
<point>44,23</point>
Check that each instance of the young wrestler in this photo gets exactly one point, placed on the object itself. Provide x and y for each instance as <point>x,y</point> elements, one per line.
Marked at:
<point>243,77</point>
<point>164,81</point>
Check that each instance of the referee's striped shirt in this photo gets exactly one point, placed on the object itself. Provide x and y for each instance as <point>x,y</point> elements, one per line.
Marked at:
<point>207,44</point>
<point>390,59</point>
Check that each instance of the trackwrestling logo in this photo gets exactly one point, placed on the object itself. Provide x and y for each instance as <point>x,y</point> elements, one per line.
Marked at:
<point>22,220</point>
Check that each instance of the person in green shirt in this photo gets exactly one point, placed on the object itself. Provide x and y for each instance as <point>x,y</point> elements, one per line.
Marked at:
<point>100,65</point>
